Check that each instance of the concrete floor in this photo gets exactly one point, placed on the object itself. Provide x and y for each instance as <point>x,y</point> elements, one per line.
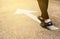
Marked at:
<point>16,26</point>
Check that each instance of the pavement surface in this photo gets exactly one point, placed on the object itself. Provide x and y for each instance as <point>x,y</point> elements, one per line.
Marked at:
<point>20,26</point>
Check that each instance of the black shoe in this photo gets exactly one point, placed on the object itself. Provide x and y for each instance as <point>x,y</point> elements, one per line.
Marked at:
<point>48,25</point>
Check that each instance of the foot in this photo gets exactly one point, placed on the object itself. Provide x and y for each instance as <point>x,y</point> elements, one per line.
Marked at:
<point>48,24</point>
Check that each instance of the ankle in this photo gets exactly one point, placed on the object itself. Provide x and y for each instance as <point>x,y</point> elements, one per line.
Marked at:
<point>47,20</point>
<point>44,20</point>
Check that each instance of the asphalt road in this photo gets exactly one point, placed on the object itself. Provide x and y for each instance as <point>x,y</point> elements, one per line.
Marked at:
<point>20,26</point>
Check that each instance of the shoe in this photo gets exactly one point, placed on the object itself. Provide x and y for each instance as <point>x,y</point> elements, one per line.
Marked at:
<point>48,25</point>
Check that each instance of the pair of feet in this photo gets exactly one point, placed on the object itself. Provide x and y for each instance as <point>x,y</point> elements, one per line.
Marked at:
<point>47,24</point>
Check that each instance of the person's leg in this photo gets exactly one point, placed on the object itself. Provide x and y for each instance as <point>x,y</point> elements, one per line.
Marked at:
<point>43,4</point>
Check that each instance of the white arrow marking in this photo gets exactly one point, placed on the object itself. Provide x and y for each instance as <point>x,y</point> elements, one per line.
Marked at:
<point>28,13</point>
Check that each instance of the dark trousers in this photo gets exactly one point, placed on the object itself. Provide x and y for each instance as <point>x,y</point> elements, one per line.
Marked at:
<point>43,4</point>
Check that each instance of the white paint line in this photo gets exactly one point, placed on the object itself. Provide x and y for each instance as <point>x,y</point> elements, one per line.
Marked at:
<point>20,11</point>
<point>28,13</point>
<point>33,17</point>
